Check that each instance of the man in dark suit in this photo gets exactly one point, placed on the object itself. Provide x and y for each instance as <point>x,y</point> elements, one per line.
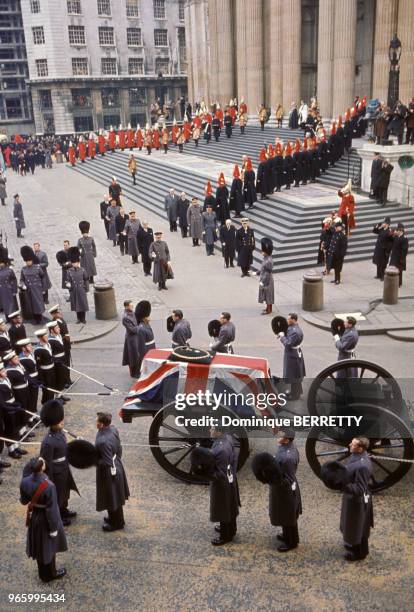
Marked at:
<point>375,175</point>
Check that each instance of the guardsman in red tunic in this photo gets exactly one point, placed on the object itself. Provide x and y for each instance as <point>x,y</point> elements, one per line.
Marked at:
<point>71,154</point>
<point>174,132</point>
<point>121,137</point>
<point>148,139</point>
<point>243,107</point>
<point>139,138</point>
<point>186,131</point>
<point>91,146</point>
<point>347,208</point>
<point>156,137</point>
<point>112,140</point>
<point>101,143</point>
<point>82,149</point>
<point>220,114</point>
<point>233,112</point>
<point>131,139</point>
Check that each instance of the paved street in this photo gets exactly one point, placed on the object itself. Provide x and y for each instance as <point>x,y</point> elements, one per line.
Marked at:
<point>164,559</point>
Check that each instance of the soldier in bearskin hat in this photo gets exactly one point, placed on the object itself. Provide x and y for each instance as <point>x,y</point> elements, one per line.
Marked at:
<point>130,356</point>
<point>31,282</point>
<point>293,361</point>
<point>78,285</point>
<point>87,247</point>
<point>8,284</point>
<point>145,335</point>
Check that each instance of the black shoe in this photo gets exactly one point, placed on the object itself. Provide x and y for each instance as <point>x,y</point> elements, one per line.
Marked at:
<point>351,557</point>
<point>68,514</point>
<point>59,573</point>
<point>4,464</point>
<point>108,527</point>
<point>15,455</point>
<point>333,281</point>
<point>21,451</point>
<point>220,541</point>
<point>164,288</point>
<point>217,528</point>
<point>106,519</point>
<point>66,522</point>
<point>280,537</point>
<point>285,548</point>
<point>159,288</point>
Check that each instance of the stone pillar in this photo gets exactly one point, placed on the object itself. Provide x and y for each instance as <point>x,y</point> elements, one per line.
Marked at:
<point>390,289</point>
<point>225,50</point>
<point>201,71</point>
<point>37,113</point>
<point>344,55</point>
<point>97,110</point>
<point>312,292</point>
<point>254,55</point>
<point>276,65</point>
<point>385,27</point>
<point>213,19</point>
<point>240,50</point>
<point>325,56</point>
<point>291,36</point>
<point>191,64</point>
<point>62,102</point>
<point>124,107</point>
<point>406,35</point>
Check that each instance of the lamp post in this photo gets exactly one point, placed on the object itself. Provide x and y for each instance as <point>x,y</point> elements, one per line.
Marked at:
<point>394,54</point>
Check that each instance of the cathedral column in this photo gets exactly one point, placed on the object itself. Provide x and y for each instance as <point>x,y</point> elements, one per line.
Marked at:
<point>325,56</point>
<point>213,19</point>
<point>191,63</point>
<point>276,67</point>
<point>241,50</point>
<point>344,55</point>
<point>291,37</point>
<point>221,42</point>
<point>406,35</point>
<point>385,27</point>
<point>254,55</point>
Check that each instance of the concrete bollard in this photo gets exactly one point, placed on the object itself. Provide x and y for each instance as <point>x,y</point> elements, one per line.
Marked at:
<point>312,292</point>
<point>391,280</point>
<point>104,298</point>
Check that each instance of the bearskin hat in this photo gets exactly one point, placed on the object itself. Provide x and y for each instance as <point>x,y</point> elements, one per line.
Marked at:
<point>279,324</point>
<point>62,257</point>
<point>337,326</point>
<point>27,253</point>
<point>214,328</point>
<point>52,412</point>
<point>203,462</point>
<point>4,255</point>
<point>265,468</point>
<point>334,475</point>
<point>84,227</point>
<point>74,254</point>
<point>142,310</point>
<point>266,246</point>
<point>82,454</point>
<point>170,324</point>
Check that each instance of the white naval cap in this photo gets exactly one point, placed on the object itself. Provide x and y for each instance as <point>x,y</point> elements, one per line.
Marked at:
<point>16,313</point>
<point>24,342</point>
<point>52,324</point>
<point>2,321</point>
<point>1,365</point>
<point>55,308</point>
<point>9,356</point>
<point>41,332</point>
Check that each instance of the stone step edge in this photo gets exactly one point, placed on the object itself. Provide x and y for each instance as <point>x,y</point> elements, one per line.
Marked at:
<point>364,328</point>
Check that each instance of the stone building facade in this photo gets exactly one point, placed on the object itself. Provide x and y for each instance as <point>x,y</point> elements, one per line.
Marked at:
<point>97,63</point>
<point>279,51</point>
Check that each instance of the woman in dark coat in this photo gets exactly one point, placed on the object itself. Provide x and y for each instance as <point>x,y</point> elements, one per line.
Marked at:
<point>293,118</point>
<point>236,193</point>
<point>262,183</point>
<point>222,200</point>
<point>249,184</point>
<point>45,534</point>
<point>384,181</point>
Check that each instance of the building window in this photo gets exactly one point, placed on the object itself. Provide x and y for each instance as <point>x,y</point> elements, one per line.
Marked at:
<point>137,96</point>
<point>110,97</point>
<point>162,65</point>
<point>108,65</point>
<point>181,5</point>
<point>81,98</point>
<point>14,108</point>
<point>104,8</point>
<point>132,8</point>
<point>80,66</point>
<point>76,35</point>
<point>35,6</point>
<point>106,36</point>
<point>134,38</point>
<point>45,97</point>
<point>41,67</point>
<point>111,121</point>
<point>10,84</point>
<point>38,35</point>
<point>74,7</point>
<point>159,9</point>
<point>6,53</point>
<point>6,37</point>
<point>161,38</point>
<point>83,124</point>
<point>135,65</point>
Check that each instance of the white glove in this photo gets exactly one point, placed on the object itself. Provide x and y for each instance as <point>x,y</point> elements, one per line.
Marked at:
<point>113,471</point>
<point>53,534</point>
<point>261,284</point>
<point>211,344</point>
<point>153,256</point>
<point>16,218</point>
<point>23,287</point>
<point>281,335</point>
<point>337,337</point>
<point>68,285</point>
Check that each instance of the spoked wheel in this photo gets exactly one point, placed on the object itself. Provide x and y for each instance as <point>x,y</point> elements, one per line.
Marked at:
<point>389,437</point>
<point>171,445</point>
<point>353,381</point>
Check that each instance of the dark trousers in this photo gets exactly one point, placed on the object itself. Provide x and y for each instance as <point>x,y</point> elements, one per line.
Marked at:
<point>228,530</point>
<point>180,148</point>
<point>210,249</point>
<point>19,232</point>
<point>400,276</point>
<point>262,124</point>
<point>123,243</point>
<point>245,270</point>
<point>106,223</point>
<point>228,259</point>
<point>81,317</point>
<point>3,201</point>
<point>196,142</point>
<point>290,535</point>
<point>47,571</point>
<point>409,137</point>
<point>165,148</point>
<point>184,230</point>
<point>116,517</point>
<point>242,127</point>
<point>146,262</point>
<point>337,269</point>
<point>46,297</point>
<point>381,270</point>
<point>173,226</point>
<point>361,550</point>
<point>382,194</point>
<point>148,150</point>
<point>195,241</point>
<point>295,389</point>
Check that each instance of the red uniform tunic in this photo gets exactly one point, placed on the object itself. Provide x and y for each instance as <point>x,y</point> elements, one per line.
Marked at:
<point>174,132</point>
<point>156,139</point>
<point>72,156</point>
<point>186,131</point>
<point>347,210</point>
<point>139,139</point>
<point>91,148</point>
<point>112,141</point>
<point>233,114</point>
<point>121,139</point>
<point>131,139</point>
<point>101,144</point>
<point>82,151</point>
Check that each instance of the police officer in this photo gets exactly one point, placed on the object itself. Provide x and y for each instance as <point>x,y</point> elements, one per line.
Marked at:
<point>226,336</point>
<point>54,450</point>
<point>182,331</point>
<point>285,504</point>
<point>293,361</point>
<point>357,516</point>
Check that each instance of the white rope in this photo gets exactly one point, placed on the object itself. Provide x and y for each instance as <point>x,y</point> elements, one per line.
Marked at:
<point>182,446</point>
<point>392,459</point>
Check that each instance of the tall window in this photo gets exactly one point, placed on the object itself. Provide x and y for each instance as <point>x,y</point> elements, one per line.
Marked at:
<point>35,6</point>
<point>181,5</point>
<point>81,98</point>
<point>159,9</point>
<point>134,38</point>
<point>104,7</point>
<point>132,8</point>
<point>162,64</point>
<point>108,65</point>
<point>135,65</point>
<point>137,96</point>
<point>110,97</point>
<point>161,38</point>
<point>106,36</point>
<point>38,35</point>
<point>45,96</point>
<point>79,66</point>
<point>74,7</point>
<point>76,35</point>
<point>41,67</point>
